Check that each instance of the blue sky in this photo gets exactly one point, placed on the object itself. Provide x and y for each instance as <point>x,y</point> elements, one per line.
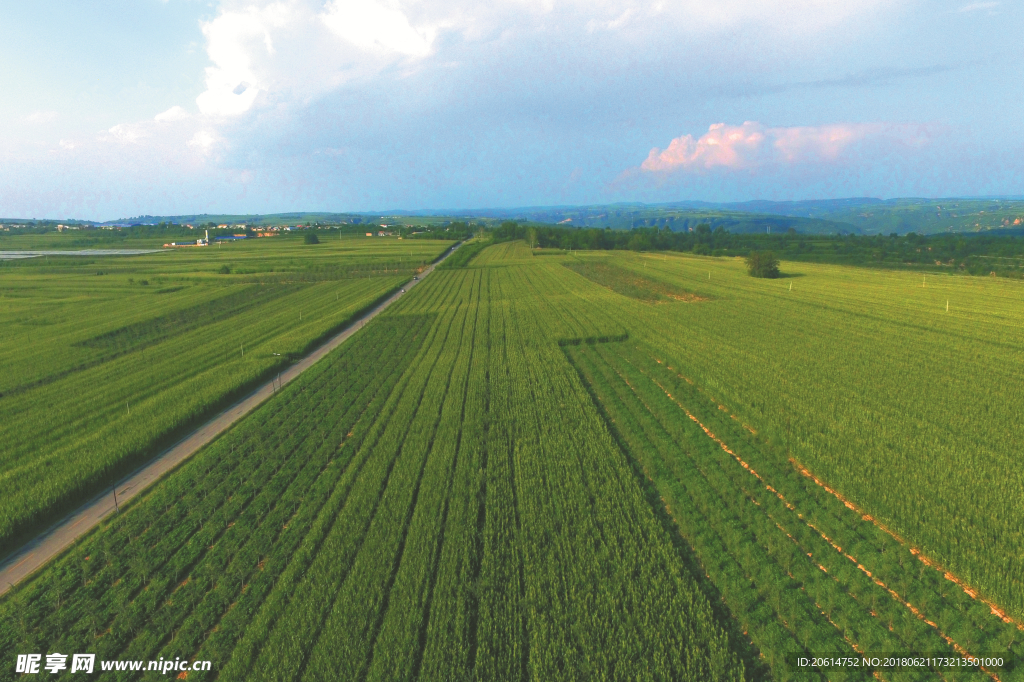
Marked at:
<point>118,108</point>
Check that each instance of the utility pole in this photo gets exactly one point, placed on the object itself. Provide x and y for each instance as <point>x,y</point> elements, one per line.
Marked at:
<point>114,488</point>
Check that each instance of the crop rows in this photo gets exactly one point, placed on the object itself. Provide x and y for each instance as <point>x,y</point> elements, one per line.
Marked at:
<point>464,255</point>
<point>629,283</point>
<point>438,500</point>
<point>911,412</point>
<point>515,474</point>
<point>802,572</point>
<point>185,558</point>
<point>71,433</point>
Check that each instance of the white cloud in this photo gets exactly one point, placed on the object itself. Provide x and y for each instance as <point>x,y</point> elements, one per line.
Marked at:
<point>128,133</point>
<point>753,145</point>
<point>292,50</point>
<point>978,6</point>
<point>691,16</point>
<point>42,117</point>
<point>231,41</point>
<point>295,50</point>
<point>373,25</point>
<point>617,23</point>
<point>175,113</point>
<point>293,83</point>
<point>203,141</point>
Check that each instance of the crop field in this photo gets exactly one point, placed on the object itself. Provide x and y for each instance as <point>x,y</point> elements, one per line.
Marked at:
<point>438,499</point>
<point>630,282</point>
<point>597,466</point>
<point>838,427</point>
<point>103,359</point>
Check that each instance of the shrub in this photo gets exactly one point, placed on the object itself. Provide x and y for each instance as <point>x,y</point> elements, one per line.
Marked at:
<point>763,264</point>
<point>311,238</point>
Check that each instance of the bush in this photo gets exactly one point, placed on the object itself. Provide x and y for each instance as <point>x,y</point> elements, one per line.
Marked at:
<point>311,238</point>
<point>763,264</point>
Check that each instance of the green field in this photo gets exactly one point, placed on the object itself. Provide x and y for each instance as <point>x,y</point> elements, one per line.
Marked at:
<point>604,466</point>
<point>104,359</point>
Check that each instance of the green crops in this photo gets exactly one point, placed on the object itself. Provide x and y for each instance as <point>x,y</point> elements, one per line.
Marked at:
<point>517,473</point>
<point>105,361</point>
<point>438,499</point>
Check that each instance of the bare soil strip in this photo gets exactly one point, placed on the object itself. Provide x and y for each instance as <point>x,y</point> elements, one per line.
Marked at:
<point>35,553</point>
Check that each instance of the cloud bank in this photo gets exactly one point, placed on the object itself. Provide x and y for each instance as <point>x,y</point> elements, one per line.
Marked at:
<point>367,104</point>
<point>751,145</point>
<point>291,50</point>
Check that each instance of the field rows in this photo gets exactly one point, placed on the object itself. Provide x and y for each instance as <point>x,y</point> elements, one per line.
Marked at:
<point>823,560</point>
<point>436,500</point>
<point>101,369</point>
<point>521,473</point>
<point>863,378</point>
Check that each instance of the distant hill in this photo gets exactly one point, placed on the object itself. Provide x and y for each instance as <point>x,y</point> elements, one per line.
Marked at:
<point>294,218</point>
<point>862,215</point>
<point>827,216</point>
<point>625,216</point>
<point>923,216</point>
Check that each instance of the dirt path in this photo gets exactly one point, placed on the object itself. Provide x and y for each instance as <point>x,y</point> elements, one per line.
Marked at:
<point>31,556</point>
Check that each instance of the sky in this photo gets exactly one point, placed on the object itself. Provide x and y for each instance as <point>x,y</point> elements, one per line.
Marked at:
<point>118,108</point>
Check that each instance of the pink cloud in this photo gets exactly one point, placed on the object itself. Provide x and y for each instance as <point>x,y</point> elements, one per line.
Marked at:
<point>752,145</point>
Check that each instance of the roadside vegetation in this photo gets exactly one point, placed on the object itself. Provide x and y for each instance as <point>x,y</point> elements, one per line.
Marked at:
<point>465,254</point>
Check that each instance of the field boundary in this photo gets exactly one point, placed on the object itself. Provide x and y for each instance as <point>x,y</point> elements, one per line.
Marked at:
<point>22,562</point>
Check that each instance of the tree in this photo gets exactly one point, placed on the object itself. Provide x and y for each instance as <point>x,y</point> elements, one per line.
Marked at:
<point>311,238</point>
<point>763,264</point>
<point>531,237</point>
<point>639,242</point>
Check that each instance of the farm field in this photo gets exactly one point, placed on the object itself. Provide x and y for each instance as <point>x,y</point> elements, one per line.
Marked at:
<point>607,466</point>
<point>438,499</point>
<point>104,359</point>
<point>863,377</point>
<point>840,427</point>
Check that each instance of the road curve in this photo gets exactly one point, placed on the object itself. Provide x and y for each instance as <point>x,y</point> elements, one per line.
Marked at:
<point>36,552</point>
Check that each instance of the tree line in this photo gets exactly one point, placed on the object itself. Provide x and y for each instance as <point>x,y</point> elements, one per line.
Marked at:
<point>977,254</point>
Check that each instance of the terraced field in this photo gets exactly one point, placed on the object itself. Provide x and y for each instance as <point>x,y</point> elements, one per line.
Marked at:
<point>632,468</point>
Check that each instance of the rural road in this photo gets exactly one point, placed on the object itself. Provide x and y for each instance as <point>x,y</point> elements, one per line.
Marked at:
<point>31,556</point>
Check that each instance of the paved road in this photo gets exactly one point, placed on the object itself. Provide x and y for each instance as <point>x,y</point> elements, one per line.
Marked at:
<point>60,535</point>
